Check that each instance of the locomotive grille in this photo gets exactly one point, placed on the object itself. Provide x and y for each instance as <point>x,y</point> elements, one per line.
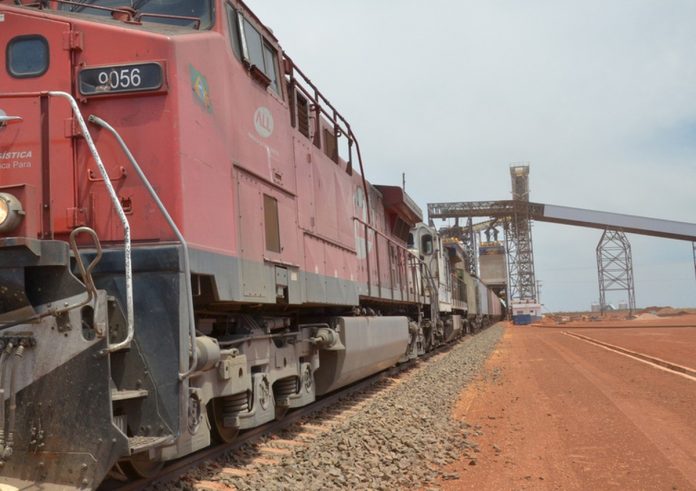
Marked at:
<point>302,115</point>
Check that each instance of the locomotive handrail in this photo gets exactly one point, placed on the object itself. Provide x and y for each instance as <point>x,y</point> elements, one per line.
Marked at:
<point>86,272</point>
<point>121,214</point>
<point>319,100</point>
<point>187,266</point>
<point>413,257</point>
<point>5,120</point>
<point>117,205</point>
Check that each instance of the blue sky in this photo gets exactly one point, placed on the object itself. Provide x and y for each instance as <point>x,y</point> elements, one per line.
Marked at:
<point>599,97</point>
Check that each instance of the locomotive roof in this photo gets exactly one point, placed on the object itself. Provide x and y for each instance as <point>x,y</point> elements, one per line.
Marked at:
<point>152,27</point>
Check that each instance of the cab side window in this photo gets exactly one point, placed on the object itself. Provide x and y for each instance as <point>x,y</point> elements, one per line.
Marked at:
<point>254,46</point>
<point>260,54</point>
<point>27,56</point>
<point>233,21</point>
<point>427,244</point>
<point>250,46</point>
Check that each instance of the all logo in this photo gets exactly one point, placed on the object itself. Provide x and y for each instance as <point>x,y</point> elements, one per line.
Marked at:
<point>263,122</point>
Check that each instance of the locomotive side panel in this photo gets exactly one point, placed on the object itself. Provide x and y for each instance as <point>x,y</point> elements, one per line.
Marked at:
<point>138,118</point>
<point>36,146</point>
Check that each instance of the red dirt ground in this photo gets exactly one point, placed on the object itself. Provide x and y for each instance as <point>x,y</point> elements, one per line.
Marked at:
<point>556,412</point>
<point>675,344</point>
<point>620,320</point>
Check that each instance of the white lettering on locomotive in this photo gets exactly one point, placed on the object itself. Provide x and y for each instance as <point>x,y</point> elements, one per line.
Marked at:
<point>15,160</point>
<point>263,121</point>
<point>15,155</point>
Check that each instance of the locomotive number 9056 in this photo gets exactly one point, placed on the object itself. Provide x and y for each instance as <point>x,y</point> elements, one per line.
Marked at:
<point>118,79</point>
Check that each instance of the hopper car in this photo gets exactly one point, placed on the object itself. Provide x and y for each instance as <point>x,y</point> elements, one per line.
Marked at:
<point>188,245</point>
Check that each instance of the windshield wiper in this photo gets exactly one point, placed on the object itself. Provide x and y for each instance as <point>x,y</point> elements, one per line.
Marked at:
<point>196,20</point>
<point>139,4</point>
<point>88,4</point>
<point>131,13</point>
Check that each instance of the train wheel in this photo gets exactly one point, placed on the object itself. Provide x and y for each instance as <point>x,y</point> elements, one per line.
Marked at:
<point>428,338</point>
<point>281,411</point>
<point>141,466</point>
<point>216,414</point>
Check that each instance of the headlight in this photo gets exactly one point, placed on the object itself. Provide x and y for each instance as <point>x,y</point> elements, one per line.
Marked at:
<point>11,213</point>
<point>4,211</point>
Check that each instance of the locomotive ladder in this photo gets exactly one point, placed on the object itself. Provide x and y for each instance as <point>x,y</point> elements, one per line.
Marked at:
<point>127,232</point>
<point>124,220</point>
<point>121,215</point>
<point>170,221</point>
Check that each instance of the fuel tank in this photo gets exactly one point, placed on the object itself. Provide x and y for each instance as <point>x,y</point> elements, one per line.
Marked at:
<point>371,344</point>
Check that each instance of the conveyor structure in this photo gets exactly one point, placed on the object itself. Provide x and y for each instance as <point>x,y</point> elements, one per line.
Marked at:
<point>505,211</point>
<point>565,215</point>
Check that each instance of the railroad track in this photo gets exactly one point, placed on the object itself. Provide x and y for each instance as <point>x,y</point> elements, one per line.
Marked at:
<point>179,467</point>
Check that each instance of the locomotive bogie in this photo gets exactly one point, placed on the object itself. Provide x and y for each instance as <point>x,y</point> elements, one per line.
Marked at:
<point>453,328</point>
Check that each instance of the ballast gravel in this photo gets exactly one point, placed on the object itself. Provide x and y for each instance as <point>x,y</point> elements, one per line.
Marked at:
<point>400,439</point>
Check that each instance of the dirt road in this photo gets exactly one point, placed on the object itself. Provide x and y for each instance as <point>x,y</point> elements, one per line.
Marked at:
<point>557,412</point>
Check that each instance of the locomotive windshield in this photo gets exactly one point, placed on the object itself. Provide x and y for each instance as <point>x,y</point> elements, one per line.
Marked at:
<point>169,10</point>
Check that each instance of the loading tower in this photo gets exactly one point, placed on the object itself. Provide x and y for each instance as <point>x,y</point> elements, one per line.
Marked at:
<point>518,241</point>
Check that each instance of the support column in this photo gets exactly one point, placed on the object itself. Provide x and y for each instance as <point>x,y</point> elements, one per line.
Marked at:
<point>693,245</point>
<point>615,267</point>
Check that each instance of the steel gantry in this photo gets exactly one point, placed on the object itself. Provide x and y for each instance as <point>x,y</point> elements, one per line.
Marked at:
<point>615,267</point>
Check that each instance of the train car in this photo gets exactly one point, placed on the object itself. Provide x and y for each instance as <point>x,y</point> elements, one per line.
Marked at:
<point>473,304</point>
<point>483,302</point>
<point>439,284</point>
<point>496,307</point>
<point>478,303</point>
<point>457,261</point>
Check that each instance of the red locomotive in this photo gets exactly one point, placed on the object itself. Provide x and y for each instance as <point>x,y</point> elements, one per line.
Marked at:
<point>188,247</point>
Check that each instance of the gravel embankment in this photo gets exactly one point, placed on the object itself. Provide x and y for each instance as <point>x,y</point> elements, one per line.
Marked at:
<point>399,439</point>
